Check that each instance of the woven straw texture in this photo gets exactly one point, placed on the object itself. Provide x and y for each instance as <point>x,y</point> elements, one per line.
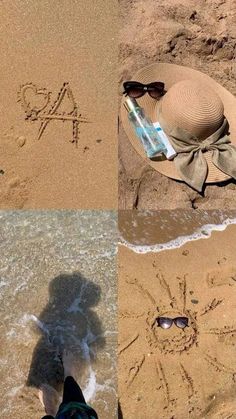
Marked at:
<point>176,110</point>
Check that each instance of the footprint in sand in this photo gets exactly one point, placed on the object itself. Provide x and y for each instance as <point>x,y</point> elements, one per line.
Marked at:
<point>14,194</point>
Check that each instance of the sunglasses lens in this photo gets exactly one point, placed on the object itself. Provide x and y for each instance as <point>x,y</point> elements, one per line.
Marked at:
<point>156,89</point>
<point>164,322</point>
<point>155,93</point>
<point>134,92</point>
<point>181,322</point>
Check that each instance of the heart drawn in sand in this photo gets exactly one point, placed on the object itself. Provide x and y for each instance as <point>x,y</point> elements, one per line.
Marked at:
<point>33,99</point>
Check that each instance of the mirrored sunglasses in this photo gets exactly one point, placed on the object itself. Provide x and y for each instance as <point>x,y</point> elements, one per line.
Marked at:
<point>166,322</point>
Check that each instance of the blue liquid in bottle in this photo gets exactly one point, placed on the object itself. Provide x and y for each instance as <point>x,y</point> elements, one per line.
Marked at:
<point>144,129</point>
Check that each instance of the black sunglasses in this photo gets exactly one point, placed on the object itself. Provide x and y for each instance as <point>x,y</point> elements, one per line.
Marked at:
<point>166,322</point>
<point>135,89</point>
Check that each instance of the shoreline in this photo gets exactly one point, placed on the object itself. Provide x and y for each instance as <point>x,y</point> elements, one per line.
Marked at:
<point>197,281</point>
<point>148,231</point>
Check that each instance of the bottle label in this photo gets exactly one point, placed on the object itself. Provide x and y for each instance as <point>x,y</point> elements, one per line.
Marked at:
<point>170,151</point>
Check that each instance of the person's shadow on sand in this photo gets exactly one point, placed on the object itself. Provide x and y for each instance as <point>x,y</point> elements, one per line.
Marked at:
<point>67,322</point>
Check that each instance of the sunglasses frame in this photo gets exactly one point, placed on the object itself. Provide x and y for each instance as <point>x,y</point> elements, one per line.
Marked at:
<point>173,320</point>
<point>144,88</point>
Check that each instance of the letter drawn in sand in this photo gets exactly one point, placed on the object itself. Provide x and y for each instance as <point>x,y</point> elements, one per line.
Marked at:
<point>43,112</point>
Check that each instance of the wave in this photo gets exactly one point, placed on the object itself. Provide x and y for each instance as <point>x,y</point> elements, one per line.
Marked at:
<point>203,232</point>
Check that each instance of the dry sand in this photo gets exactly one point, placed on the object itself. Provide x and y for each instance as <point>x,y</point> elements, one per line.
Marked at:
<point>199,34</point>
<point>174,373</point>
<point>48,43</point>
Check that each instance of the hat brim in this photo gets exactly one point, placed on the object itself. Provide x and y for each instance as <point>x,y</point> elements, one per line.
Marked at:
<point>171,74</point>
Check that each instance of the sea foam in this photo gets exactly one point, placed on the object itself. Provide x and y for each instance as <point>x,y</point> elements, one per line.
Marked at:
<point>203,232</point>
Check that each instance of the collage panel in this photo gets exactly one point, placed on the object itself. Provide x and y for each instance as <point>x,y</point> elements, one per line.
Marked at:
<point>58,291</point>
<point>177,78</point>
<point>58,82</point>
<point>117,209</point>
<point>176,318</point>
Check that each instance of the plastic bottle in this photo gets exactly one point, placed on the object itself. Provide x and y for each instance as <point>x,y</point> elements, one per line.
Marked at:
<point>144,129</point>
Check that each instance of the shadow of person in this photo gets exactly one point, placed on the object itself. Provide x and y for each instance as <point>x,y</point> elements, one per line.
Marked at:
<point>67,322</point>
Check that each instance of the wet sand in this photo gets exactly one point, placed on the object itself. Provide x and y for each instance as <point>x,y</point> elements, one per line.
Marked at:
<point>177,373</point>
<point>48,44</point>
<point>57,290</point>
<point>197,34</point>
<point>161,229</point>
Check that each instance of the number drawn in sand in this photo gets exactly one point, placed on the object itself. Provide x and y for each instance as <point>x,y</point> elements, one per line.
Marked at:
<point>177,352</point>
<point>37,106</point>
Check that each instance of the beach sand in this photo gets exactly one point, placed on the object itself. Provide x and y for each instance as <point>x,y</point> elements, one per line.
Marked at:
<point>165,228</point>
<point>198,34</point>
<point>48,44</point>
<point>58,290</point>
<point>177,373</point>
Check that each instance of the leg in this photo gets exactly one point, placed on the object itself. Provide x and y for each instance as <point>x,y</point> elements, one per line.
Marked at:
<point>49,398</point>
<point>72,391</point>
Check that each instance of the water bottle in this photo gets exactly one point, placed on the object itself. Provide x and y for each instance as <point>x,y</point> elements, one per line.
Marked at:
<point>144,129</point>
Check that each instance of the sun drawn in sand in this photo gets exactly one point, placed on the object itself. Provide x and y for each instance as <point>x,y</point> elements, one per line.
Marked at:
<point>37,106</point>
<point>174,365</point>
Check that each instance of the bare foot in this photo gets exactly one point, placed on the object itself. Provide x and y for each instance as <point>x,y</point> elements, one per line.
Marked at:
<point>68,361</point>
<point>49,398</point>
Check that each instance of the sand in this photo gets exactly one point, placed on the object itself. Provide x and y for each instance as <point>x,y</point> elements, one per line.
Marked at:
<point>163,228</point>
<point>58,290</point>
<point>47,44</point>
<point>174,373</point>
<point>198,34</point>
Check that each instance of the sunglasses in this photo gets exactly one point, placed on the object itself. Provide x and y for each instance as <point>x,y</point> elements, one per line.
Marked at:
<point>135,89</point>
<point>166,322</point>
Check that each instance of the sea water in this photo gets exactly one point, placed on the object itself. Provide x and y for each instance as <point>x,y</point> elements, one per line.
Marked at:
<point>156,231</point>
<point>42,252</point>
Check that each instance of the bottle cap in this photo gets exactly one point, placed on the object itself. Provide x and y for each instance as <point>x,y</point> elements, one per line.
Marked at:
<point>131,104</point>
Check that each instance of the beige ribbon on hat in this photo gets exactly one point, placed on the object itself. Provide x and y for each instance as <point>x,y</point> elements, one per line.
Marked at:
<point>190,161</point>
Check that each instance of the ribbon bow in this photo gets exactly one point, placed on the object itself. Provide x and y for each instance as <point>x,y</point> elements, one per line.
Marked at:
<point>190,161</point>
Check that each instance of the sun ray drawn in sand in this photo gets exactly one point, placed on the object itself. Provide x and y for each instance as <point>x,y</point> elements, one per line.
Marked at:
<point>171,364</point>
<point>45,113</point>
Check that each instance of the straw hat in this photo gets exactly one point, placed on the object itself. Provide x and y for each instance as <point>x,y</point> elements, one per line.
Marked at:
<point>195,104</point>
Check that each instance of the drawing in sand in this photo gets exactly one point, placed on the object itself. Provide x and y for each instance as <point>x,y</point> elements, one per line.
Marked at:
<point>46,114</point>
<point>165,370</point>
